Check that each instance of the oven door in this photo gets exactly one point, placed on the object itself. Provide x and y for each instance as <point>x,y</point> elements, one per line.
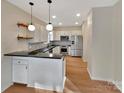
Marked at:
<point>64,50</point>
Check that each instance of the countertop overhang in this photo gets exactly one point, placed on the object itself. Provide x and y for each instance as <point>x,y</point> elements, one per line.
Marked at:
<point>40,53</point>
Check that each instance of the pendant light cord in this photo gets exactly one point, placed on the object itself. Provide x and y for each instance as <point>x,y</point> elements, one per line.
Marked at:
<point>31,15</point>
<point>49,12</point>
<point>31,27</point>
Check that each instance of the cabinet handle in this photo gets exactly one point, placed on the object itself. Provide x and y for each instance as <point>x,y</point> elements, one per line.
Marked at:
<point>18,61</point>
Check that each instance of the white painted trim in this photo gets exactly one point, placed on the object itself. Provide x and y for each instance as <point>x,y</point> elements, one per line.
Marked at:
<point>10,84</point>
<point>118,85</point>
<point>84,59</point>
<point>89,73</point>
<point>97,78</point>
<point>58,89</point>
<point>102,79</point>
<point>64,82</point>
<point>46,87</point>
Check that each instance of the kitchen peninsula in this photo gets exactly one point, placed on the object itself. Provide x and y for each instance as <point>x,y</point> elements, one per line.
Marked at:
<point>39,69</point>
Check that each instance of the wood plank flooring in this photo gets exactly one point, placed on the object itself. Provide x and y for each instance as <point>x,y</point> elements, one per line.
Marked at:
<point>78,81</point>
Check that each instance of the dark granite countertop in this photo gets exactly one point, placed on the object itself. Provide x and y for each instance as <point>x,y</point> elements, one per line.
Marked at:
<point>43,50</point>
<point>40,53</point>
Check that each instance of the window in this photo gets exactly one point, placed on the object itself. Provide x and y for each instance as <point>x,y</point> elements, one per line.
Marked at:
<point>50,36</point>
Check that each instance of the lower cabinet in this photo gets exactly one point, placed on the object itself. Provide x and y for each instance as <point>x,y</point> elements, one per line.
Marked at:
<point>20,71</point>
<point>44,73</point>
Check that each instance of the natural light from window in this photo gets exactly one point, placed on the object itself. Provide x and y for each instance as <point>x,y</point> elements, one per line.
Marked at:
<point>50,36</point>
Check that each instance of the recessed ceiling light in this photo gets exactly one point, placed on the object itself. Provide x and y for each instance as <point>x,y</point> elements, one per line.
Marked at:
<point>60,23</point>
<point>54,17</point>
<point>76,23</point>
<point>78,14</point>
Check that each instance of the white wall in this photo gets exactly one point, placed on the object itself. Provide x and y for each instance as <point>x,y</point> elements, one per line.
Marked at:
<point>87,41</point>
<point>117,44</point>
<point>104,55</point>
<point>59,31</point>
<point>11,15</point>
<point>102,43</point>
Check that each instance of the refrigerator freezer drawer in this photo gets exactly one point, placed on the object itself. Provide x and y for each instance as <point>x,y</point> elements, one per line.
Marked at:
<point>76,52</point>
<point>72,52</point>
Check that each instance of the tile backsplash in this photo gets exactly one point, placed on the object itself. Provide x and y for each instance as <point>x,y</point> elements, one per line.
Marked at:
<point>36,45</point>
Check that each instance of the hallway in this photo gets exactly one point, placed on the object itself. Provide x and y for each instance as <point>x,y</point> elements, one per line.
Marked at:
<point>78,75</point>
<point>77,81</point>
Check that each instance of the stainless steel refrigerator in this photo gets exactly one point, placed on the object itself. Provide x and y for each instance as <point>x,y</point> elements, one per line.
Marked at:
<point>76,48</point>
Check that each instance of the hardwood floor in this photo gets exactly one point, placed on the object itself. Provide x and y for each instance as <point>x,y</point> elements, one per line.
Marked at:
<point>78,81</point>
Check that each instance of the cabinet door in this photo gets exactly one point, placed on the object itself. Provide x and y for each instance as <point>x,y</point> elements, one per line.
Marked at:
<point>20,72</point>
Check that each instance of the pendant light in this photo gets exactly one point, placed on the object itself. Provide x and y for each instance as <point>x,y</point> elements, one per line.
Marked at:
<point>31,27</point>
<point>49,26</point>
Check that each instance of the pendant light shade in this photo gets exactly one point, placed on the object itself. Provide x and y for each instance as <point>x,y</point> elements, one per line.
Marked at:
<point>31,27</point>
<point>49,26</point>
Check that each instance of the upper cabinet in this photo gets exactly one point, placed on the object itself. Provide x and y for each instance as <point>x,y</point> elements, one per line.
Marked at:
<point>57,34</point>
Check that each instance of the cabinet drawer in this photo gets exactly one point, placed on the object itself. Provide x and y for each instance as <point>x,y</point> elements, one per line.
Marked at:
<point>20,61</point>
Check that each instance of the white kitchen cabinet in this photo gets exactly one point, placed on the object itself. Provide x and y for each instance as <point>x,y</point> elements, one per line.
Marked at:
<point>20,71</point>
<point>44,73</point>
<point>57,34</point>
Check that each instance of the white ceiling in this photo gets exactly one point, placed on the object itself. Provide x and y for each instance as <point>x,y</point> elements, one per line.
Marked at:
<point>65,10</point>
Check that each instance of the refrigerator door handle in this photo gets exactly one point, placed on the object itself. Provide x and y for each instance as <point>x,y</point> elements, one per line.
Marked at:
<point>72,42</point>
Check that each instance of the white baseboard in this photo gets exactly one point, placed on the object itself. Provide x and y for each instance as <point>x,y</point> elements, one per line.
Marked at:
<point>89,73</point>
<point>57,88</point>
<point>84,60</point>
<point>5,87</point>
<point>64,82</point>
<point>117,84</point>
<point>46,87</point>
<point>102,79</point>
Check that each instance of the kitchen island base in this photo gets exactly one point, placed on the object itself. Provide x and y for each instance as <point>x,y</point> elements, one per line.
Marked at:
<point>43,73</point>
